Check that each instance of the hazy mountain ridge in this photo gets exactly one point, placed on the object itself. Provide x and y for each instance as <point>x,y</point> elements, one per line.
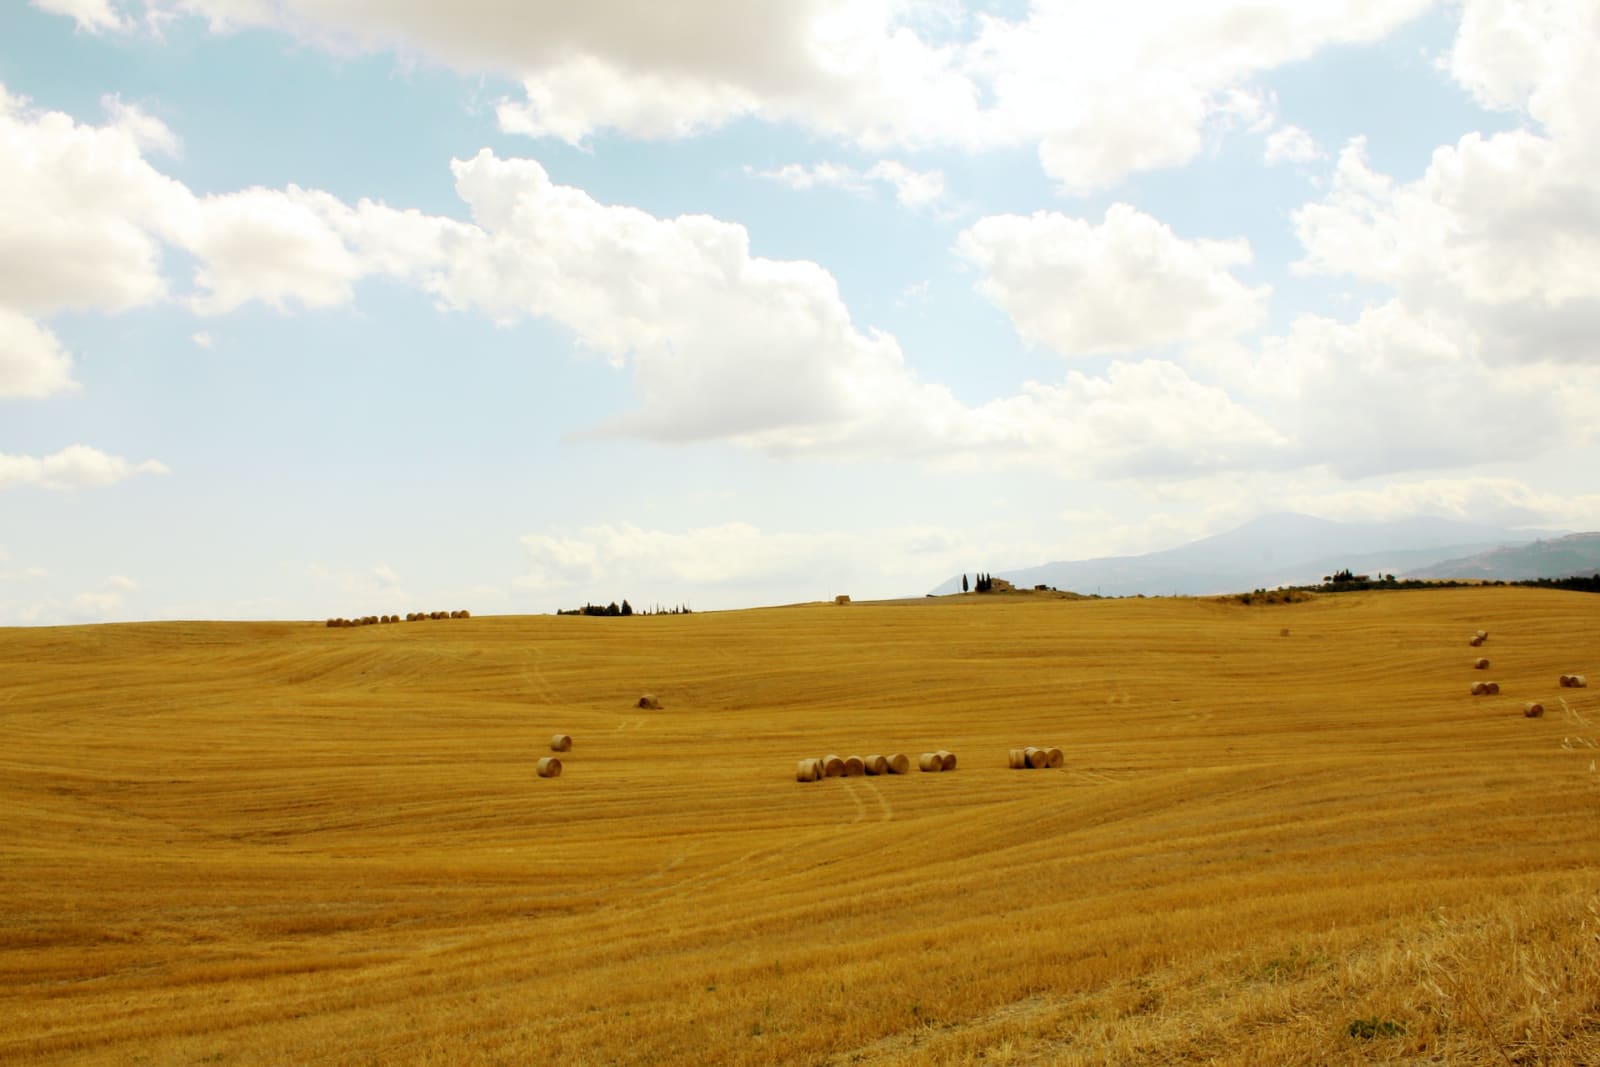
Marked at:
<point>1277,549</point>
<point>1559,557</point>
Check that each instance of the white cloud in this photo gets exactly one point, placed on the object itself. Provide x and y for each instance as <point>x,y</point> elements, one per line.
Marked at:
<point>1498,501</point>
<point>203,339</point>
<point>269,245</point>
<point>1146,418</point>
<point>1501,231</point>
<point>74,467</point>
<point>97,604</point>
<point>80,211</point>
<point>1395,391</point>
<point>1538,58</point>
<point>25,574</point>
<point>916,190</point>
<point>1125,284</point>
<point>1291,144</point>
<point>95,16</point>
<point>1101,92</point>
<point>715,566</point>
<point>721,343</point>
<point>32,361</point>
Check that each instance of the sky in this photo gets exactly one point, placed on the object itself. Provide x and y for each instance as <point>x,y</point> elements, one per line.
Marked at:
<point>347,307</point>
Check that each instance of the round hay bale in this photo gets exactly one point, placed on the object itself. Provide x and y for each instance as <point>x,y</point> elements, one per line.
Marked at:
<point>1476,641</point>
<point>1017,759</point>
<point>1491,688</point>
<point>1283,632</point>
<point>561,743</point>
<point>465,614</point>
<point>1532,710</point>
<point>1056,757</point>
<point>1479,688</point>
<point>930,761</point>
<point>332,623</point>
<point>1482,635</point>
<point>854,765</point>
<point>899,763</point>
<point>875,765</point>
<point>1566,681</point>
<point>808,770</point>
<point>1037,757</point>
<point>947,760</point>
<point>549,767</point>
<point>1579,682</point>
<point>832,766</point>
<point>649,700</point>
<point>1480,664</point>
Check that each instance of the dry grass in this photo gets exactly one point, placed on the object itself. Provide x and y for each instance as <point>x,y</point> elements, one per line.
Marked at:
<point>251,844</point>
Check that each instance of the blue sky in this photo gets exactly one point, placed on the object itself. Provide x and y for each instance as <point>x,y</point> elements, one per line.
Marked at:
<point>317,307</point>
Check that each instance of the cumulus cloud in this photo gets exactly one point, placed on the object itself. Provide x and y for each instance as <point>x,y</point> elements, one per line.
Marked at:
<point>1536,58</point>
<point>1099,92</point>
<point>1395,390</point>
<point>74,467</point>
<point>32,361</point>
<point>720,344</point>
<point>916,190</point>
<point>1125,284</point>
<point>1291,144</point>
<point>95,16</point>
<point>1501,231</point>
<point>81,211</point>
<point>1495,500</point>
<point>272,246</point>
<point>1504,230</point>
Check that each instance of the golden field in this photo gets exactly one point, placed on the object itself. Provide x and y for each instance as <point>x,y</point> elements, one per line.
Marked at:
<point>275,843</point>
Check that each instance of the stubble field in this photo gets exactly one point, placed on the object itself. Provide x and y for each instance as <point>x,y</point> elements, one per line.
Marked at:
<point>1284,834</point>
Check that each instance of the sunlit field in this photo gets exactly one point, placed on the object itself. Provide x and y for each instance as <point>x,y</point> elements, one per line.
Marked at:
<point>1283,834</point>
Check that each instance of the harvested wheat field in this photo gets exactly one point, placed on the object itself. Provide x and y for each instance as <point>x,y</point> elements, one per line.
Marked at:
<point>283,843</point>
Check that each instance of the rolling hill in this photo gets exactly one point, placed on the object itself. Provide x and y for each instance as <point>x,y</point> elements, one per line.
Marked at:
<point>1274,550</point>
<point>1560,557</point>
<point>1284,834</point>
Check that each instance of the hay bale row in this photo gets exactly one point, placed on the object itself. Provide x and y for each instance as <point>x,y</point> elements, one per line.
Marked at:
<point>1574,681</point>
<point>1483,689</point>
<point>832,766</point>
<point>411,616</point>
<point>941,760</point>
<point>1480,664</point>
<point>1034,758</point>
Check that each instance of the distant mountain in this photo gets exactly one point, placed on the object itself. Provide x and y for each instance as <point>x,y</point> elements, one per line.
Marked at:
<point>1560,557</point>
<point>1278,549</point>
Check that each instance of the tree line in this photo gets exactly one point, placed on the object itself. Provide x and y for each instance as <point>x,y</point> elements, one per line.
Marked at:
<point>625,608</point>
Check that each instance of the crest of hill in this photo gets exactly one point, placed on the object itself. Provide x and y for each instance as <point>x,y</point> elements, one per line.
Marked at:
<point>1560,557</point>
<point>1278,549</point>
